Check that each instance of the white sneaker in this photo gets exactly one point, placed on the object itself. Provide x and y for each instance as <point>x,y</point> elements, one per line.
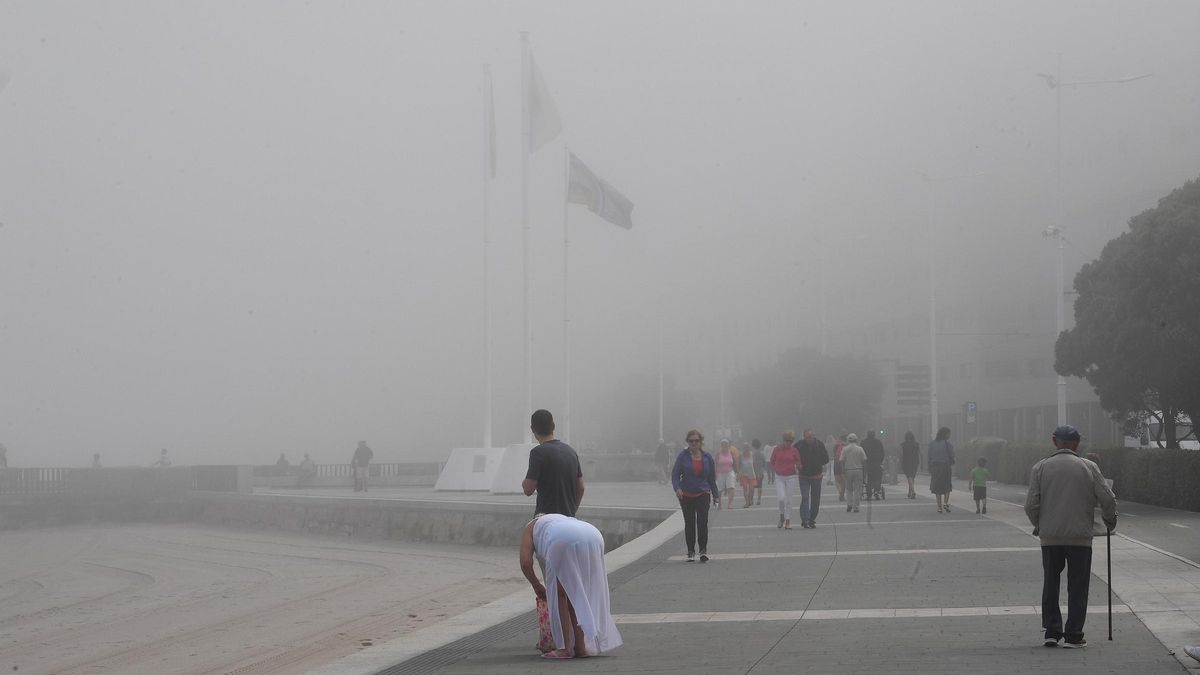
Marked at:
<point>1192,651</point>
<point>1067,644</point>
<point>1051,642</point>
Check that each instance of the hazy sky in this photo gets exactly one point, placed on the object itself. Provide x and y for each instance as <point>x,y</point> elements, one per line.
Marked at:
<point>235,229</point>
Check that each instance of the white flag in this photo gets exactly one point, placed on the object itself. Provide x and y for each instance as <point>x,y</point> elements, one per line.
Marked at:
<point>586,188</point>
<point>544,124</point>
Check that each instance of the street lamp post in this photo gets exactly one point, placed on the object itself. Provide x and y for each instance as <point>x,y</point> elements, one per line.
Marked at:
<point>1056,83</point>
<point>933,372</point>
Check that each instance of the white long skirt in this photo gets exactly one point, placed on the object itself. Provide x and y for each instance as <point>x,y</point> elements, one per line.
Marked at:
<point>573,553</point>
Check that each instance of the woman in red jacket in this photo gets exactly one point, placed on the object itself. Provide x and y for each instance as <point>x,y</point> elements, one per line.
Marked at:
<point>785,460</point>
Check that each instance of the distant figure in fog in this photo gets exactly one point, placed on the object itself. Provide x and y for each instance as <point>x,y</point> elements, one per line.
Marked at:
<point>760,467</point>
<point>662,460</point>
<point>727,464</point>
<point>746,476</point>
<point>910,460</point>
<point>361,463</point>
<point>854,461</point>
<point>3,457</point>
<point>785,459</point>
<point>940,457</point>
<point>553,471</point>
<point>839,467</point>
<point>813,458</point>
<point>282,462</point>
<point>873,447</point>
<point>308,471</point>
<point>96,460</point>
<point>163,460</point>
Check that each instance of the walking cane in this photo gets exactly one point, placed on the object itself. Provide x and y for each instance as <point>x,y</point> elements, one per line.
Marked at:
<point>1108,544</point>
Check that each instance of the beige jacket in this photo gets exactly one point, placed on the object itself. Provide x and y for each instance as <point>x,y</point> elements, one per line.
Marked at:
<point>1064,489</point>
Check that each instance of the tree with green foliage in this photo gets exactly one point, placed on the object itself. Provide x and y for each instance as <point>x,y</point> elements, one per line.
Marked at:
<point>829,394</point>
<point>1137,317</point>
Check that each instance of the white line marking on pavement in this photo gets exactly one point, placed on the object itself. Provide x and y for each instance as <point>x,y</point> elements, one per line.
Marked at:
<point>827,554</point>
<point>1180,525</point>
<point>877,522</point>
<point>839,614</point>
<point>1156,549</point>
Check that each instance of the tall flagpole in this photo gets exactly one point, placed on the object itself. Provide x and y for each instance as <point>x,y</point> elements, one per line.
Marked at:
<point>660,373</point>
<point>488,160</point>
<point>526,142</point>
<point>566,307</point>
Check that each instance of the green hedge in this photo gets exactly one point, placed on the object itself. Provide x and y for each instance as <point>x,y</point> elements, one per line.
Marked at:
<point>1169,478</point>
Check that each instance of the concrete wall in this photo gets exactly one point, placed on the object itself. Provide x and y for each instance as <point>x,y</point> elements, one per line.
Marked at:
<point>491,524</point>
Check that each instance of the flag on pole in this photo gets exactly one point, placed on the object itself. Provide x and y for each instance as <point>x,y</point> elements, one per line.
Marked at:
<point>544,124</point>
<point>586,188</point>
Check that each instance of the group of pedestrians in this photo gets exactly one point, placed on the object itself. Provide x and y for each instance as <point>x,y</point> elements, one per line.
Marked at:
<point>1063,491</point>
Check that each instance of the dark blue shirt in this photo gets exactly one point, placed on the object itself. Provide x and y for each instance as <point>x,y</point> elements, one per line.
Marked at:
<point>683,476</point>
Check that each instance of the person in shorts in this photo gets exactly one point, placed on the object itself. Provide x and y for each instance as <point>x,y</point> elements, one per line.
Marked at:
<point>979,479</point>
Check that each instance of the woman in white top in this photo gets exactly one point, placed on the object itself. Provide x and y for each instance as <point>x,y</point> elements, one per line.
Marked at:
<point>576,589</point>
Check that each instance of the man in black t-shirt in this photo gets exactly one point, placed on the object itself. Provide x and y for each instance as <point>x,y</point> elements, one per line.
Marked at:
<point>554,472</point>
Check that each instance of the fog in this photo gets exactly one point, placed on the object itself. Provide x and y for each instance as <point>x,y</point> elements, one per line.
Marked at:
<point>239,229</point>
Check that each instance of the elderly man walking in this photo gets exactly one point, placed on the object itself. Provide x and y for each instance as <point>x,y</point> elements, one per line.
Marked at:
<point>854,461</point>
<point>1064,489</point>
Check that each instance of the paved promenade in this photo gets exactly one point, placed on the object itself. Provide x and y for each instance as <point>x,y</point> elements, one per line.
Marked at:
<point>896,587</point>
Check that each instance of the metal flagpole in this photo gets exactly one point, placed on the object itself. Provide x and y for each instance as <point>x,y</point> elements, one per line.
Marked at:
<point>525,149</point>
<point>660,376</point>
<point>488,159</point>
<point>566,434</point>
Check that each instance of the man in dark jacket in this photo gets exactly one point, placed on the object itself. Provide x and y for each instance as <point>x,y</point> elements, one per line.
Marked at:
<point>813,458</point>
<point>873,447</point>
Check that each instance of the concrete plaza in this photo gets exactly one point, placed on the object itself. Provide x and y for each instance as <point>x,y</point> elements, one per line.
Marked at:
<point>896,587</point>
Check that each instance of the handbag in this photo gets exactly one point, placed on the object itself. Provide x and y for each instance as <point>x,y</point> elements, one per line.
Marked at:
<point>545,641</point>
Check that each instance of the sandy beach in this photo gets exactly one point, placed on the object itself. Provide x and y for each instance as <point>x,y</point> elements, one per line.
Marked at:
<point>190,599</point>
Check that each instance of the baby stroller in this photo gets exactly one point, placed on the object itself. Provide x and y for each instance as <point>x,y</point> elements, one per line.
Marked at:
<point>873,486</point>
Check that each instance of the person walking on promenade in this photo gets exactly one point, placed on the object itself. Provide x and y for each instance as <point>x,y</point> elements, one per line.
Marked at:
<point>553,471</point>
<point>978,479</point>
<point>838,468</point>
<point>662,459</point>
<point>308,471</point>
<point>910,460</point>
<point>854,460</point>
<point>813,458</point>
<point>760,467</point>
<point>360,464</point>
<point>576,589</point>
<point>1064,490</point>
<point>163,460</point>
<point>746,476</point>
<point>767,470</point>
<point>785,460</point>
<point>96,460</point>
<point>940,457</point>
<point>873,469</point>
<point>727,464</point>
<point>694,477</point>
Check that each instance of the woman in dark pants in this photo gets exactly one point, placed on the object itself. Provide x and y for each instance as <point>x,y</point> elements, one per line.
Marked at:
<point>694,478</point>
<point>910,460</point>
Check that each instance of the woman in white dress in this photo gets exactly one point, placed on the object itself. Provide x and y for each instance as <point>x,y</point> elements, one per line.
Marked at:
<point>576,589</point>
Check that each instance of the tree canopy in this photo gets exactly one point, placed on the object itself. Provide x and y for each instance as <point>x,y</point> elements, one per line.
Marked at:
<point>829,394</point>
<point>1137,316</point>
